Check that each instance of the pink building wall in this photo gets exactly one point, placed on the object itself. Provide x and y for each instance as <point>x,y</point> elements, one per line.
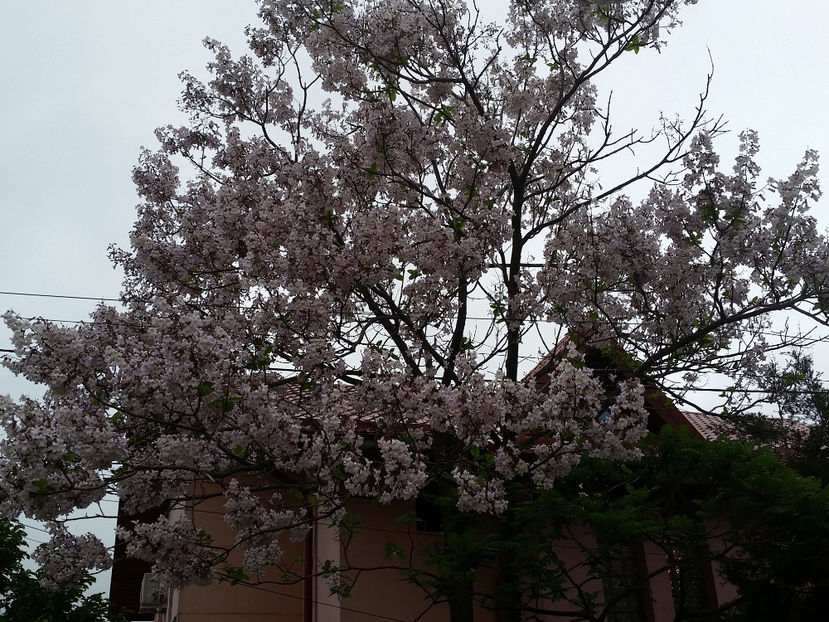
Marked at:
<point>223,602</point>
<point>381,591</point>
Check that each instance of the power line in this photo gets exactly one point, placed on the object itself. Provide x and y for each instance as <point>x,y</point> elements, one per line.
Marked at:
<point>413,531</point>
<point>766,391</point>
<point>28,526</point>
<point>672,389</point>
<point>63,296</point>
<point>490,318</point>
<point>493,317</point>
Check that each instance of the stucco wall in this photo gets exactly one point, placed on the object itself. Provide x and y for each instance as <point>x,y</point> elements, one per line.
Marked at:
<point>380,589</point>
<point>223,602</point>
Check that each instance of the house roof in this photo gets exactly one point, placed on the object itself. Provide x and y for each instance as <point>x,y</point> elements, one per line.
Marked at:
<point>661,409</point>
<point>664,412</point>
<point>709,427</point>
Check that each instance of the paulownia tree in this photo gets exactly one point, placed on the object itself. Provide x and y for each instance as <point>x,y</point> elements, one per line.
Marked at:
<point>339,262</point>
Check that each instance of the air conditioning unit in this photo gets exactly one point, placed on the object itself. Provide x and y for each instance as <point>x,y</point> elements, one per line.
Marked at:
<point>152,597</point>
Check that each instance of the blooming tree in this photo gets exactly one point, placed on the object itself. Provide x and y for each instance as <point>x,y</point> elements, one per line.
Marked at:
<point>339,261</point>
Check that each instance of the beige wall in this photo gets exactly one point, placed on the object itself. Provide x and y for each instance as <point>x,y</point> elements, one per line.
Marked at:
<point>662,597</point>
<point>570,552</point>
<point>380,589</point>
<point>387,593</point>
<point>725,592</point>
<point>226,603</point>
<point>222,602</point>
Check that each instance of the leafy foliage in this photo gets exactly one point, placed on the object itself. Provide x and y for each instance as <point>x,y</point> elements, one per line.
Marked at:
<point>765,525</point>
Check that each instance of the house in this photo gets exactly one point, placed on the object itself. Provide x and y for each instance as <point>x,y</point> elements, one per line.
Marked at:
<point>643,580</point>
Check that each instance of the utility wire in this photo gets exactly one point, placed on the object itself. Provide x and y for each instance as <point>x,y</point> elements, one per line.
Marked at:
<point>28,526</point>
<point>358,314</point>
<point>677,388</point>
<point>449,316</point>
<point>766,391</point>
<point>478,318</point>
<point>67,297</point>
<point>804,339</point>
<point>359,527</point>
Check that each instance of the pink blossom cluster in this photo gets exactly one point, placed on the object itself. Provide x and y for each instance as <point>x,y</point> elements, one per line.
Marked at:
<point>705,258</point>
<point>182,554</point>
<point>67,557</point>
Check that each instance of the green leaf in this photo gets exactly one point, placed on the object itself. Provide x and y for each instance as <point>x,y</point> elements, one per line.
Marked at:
<point>393,549</point>
<point>328,218</point>
<point>204,388</point>
<point>370,172</point>
<point>226,403</point>
<point>444,114</point>
<point>458,225</point>
<point>634,45</point>
<point>260,361</point>
<point>234,574</point>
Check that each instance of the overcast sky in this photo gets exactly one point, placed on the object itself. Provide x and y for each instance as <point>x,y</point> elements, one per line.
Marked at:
<point>85,82</point>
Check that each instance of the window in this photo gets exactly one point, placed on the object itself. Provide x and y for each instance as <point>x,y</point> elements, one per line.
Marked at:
<point>429,514</point>
<point>622,578</point>
<point>689,569</point>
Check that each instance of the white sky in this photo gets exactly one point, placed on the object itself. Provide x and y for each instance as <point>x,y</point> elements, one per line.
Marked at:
<point>84,83</point>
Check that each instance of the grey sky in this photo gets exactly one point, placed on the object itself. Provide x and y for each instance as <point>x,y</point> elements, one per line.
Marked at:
<point>84,83</point>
